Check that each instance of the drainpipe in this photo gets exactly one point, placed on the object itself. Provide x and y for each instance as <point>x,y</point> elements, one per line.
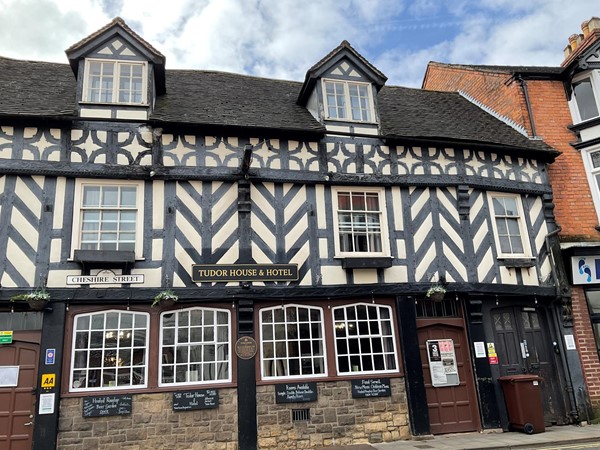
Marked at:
<point>552,261</point>
<point>528,104</point>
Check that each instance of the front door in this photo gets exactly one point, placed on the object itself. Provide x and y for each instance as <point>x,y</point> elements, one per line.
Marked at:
<point>17,403</point>
<point>452,409</point>
<point>524,346</point>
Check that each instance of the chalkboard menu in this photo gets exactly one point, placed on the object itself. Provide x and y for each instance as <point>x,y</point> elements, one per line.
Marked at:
<point>295,392</point>
<point>107,405</point>
<point>198,399</point>
<point>374,387</point>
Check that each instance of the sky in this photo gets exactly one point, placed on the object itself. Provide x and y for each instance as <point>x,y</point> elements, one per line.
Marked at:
<point>283,38</point>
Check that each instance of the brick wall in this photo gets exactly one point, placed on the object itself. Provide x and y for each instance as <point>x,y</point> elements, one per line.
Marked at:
<point>335,419</point>
<point>152,425</point>
<point>586,344</point>
<point>574,209</point>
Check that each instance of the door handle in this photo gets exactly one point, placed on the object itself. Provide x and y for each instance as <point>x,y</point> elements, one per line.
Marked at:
<point>28,424</point>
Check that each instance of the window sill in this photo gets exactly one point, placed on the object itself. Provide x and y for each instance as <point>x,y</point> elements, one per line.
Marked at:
<point>358,262</point>
<point>112,104</point>
<point>104,258</point>
<point>516,262</point>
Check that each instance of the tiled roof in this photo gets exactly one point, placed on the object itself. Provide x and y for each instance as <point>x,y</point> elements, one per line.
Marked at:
<point>219,98</point>
<point>538,70</point>
<point>420,114</point>
<point>207,98</point>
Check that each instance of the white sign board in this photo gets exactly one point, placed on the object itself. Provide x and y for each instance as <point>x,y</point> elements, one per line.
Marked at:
<point>442,362</point>
<point>104,278</point>
<point>46,404</point>
<point>9,376</point>
<point>586,269</point>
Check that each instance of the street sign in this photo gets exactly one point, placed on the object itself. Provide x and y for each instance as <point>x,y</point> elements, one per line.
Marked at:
<point>6,337</point>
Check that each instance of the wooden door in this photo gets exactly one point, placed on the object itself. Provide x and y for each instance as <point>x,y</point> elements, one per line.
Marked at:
<point>524,346</point>
<point>452,409</point>
<point>17,403</point>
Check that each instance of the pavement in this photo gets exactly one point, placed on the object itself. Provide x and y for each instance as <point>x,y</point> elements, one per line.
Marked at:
<point>567,436</point>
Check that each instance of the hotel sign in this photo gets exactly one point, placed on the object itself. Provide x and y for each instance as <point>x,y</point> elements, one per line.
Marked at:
<point>104,278</point>
<point>243,272</point>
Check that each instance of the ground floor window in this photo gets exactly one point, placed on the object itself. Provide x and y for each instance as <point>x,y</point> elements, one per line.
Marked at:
<point>593,299</point>
<point>115,349</point>
<point>302,341</point>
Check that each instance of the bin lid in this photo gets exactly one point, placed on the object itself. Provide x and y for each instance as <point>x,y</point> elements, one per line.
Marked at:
<point>519,378</point>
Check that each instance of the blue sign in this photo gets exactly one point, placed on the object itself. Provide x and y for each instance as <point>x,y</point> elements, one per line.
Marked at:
<point>586,269</point>
<point>50,356</point>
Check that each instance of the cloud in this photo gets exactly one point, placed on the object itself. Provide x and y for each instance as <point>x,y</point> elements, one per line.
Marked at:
<point>284,38</point>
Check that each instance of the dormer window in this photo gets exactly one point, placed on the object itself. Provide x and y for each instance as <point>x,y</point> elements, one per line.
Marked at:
<point>349,101</point>
<point>115,82</point>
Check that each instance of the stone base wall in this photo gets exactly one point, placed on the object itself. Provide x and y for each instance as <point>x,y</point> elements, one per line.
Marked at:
<point>152,425</point>
<point>335,418</point>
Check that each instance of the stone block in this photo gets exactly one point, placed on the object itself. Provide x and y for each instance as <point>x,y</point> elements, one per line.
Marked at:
<point>348,419</point>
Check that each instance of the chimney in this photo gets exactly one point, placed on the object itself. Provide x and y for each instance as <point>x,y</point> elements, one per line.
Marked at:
<point>567,51</point>
<point>573,42</point>
<point>585,27</point>
<point>594,24</point>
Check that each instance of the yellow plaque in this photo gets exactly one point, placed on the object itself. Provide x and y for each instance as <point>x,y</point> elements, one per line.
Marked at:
<point>48,380</point>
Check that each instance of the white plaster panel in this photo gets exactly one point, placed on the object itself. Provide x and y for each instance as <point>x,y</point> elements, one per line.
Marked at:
<point>58,278</point>
<point>157,249</point>
<point>152,278</point>
<point>184,260</point>
<point>320,206</point>
<point>508,275</point>
<point>332,275</point>
<point>530,276</point>
<point>365,276</point>
<point>55,250</point>
<point>396,274</point>
<point>95,113</point>
<point>457,262</point>
<point>21,262</point>
<point>158,204</point>
<point>135,114</point>
<point>422,266</point>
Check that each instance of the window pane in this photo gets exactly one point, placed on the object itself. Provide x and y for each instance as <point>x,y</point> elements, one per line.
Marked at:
<point>584,97</point>
<point>200,347</point>
<point>361,344</point>
<point>298,334</point>
<point>109,346</point>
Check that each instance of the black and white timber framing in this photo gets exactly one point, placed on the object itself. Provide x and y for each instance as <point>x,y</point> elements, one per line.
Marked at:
<point>436,155</point>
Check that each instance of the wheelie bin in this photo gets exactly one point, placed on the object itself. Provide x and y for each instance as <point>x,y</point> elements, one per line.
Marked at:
<point>524,406</point>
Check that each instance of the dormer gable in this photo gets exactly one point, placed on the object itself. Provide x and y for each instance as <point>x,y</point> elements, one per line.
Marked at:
<point>341,90</point>
<point>118,73</point>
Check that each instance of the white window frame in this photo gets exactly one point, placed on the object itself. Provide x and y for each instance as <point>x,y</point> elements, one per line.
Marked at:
<point>347,324</point>
<point>594,78</point>
<point>592,173</point>
<point>524,234</point>
<point>78,208</point>
<point>86,97</point>
<point>275,360</point>
<point>163,356</point>
<point>348,106</point>
<point>118,329</point>
<point>385,244</point>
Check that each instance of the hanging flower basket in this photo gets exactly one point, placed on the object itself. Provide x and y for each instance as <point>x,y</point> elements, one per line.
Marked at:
<point>436,292</point>
<point>165,299</point>
<point>36,300</point>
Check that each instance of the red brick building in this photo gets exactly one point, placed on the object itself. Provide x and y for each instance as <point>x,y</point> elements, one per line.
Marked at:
<point>558,105</point>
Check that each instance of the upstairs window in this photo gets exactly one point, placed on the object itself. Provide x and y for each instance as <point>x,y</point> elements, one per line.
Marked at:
<point>583,92</point>
<point>114,82</point>
<point>109,216</point>
<point>508,223</point>
<point>360,222</point>
<point>348,101</point>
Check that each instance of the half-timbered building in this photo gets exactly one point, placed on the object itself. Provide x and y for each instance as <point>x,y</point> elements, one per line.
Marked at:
<point>300,227</point>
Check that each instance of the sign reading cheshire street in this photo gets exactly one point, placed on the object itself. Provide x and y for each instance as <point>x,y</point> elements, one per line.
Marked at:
<point>243,272</point>
<point>102,278</point>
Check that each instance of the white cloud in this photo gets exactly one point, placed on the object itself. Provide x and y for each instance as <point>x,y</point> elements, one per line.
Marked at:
<point>284,38</point>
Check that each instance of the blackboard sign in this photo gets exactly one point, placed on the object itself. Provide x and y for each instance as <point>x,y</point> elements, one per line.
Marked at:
<point>107,405</point>
<point>295,392</point>
<point>199,399</point>
<point>374,387</point>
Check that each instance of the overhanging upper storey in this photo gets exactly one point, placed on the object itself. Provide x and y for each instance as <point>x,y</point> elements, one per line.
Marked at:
<point>118,74</point>
<point>341,91</point>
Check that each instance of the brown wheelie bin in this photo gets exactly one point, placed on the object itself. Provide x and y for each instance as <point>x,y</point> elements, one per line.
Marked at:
<point>523,397</point>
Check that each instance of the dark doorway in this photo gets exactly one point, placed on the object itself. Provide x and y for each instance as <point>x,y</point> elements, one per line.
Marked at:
<point>525,346</point>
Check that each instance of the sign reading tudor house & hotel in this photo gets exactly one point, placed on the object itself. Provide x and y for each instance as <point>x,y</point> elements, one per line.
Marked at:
<point>244,272</point>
